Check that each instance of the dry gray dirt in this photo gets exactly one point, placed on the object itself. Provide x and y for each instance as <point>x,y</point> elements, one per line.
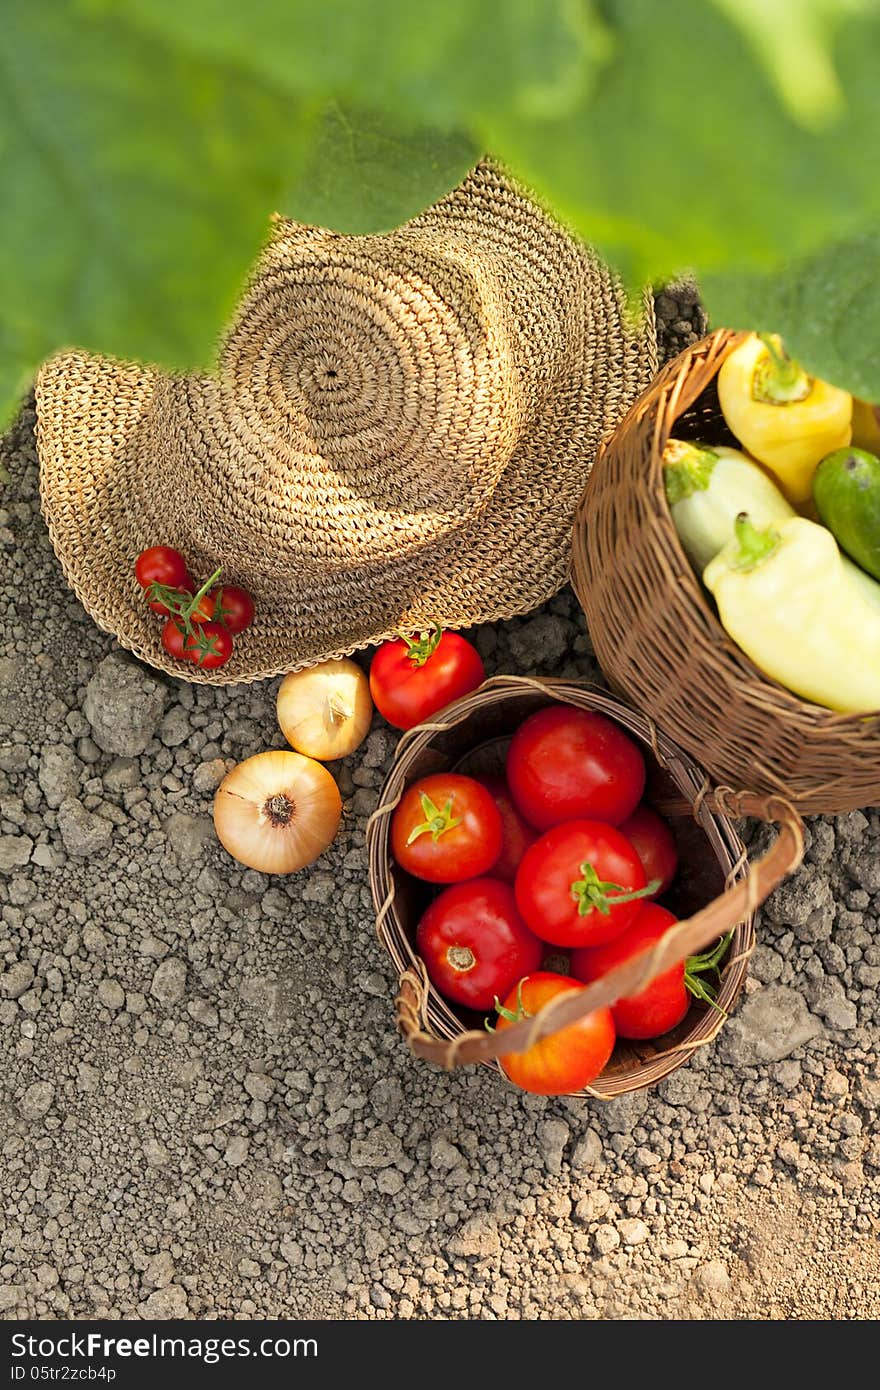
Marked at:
<point>207,1114</point>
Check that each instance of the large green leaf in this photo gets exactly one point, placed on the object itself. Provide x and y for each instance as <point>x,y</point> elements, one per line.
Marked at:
<point>438,61</point>
<point>137,187</point>
<point>367,173</point>
<point>685,158</point>
<point>145,143</point>
<point>827,308</point>
<point>794,40</point>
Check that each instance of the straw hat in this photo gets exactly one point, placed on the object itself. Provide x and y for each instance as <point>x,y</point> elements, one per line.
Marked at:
<point>397,434</point>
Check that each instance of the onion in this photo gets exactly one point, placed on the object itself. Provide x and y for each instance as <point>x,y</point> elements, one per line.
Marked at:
<point>325,711</point>
<point>277,812</point>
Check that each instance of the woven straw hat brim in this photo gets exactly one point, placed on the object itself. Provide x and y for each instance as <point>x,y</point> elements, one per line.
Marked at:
<point>516,555</point>
<point>106,497</point>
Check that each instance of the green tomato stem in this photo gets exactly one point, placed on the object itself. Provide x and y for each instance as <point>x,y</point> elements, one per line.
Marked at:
<point>436,822</point>
<point>592,894</point>
<point>421,649</point>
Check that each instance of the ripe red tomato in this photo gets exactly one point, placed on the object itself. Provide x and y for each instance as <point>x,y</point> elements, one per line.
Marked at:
<point>173,640</point>
<point>209,646</point>
<point>234,608</point>
<point>161,565</point>
<point>446,828</point>
<point>665,1001</point>
<point>410,681</point>
<point>567,763</point>
<point>580,884</point>
<point>654,843</point>
<point>565,1061</point>
<point>205,610</point>
<point>517,833</point>
<point>474,943</point>
<point>166,568</point>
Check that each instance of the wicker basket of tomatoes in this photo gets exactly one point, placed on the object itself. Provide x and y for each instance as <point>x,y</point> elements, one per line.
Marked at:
<point>770,667</point>
<point>563,895</point>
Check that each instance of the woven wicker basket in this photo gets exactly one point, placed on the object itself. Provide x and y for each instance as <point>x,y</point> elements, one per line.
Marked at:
<point>717,890</point>
<point>655,630</point>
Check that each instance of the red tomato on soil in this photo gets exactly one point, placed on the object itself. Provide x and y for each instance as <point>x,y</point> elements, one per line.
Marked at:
<point>410,681</point>
<point>654,843</point>
<point>567,1060</point>
<point>447,828</point>
<point>566,764</point>
<point>517,832</point>
<point>209,646</point>
<point>580,884</point>
<point>474,943</point>
<point>665,1001</point>
<point>234,608</point>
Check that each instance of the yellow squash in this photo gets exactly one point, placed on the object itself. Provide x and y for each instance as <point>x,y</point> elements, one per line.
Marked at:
<point>785,598</point>
<point>788,420</point>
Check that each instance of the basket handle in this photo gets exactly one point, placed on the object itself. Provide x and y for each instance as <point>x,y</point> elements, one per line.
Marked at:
<point>737,902</point>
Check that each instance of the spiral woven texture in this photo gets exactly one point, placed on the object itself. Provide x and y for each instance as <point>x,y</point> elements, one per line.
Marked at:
<point>655,631</point>
<point>397,433</point>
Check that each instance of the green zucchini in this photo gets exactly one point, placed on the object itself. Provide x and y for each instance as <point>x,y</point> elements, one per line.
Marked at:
<point>846,490</point>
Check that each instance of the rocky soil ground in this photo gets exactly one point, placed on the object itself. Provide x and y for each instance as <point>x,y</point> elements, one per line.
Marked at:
<point>206,1112</point>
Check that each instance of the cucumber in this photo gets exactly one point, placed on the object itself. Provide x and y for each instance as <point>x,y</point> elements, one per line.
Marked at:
<point>846,490</point>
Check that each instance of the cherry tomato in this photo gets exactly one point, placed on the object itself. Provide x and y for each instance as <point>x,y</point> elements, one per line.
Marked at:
<point>205,610</point>
<point>410,681</point>
<point>162,566</point>
<point>654,843</point>
<point>162,608</point>
<point>665,1001</point>
<point>234,608</point>
<point>209,646</point>
<point>564,1061</point>
<point>580,884</point>
<point>567,763</point>
<point>173,638</point>
<point>474,943</point>
<point>517,833</point>
<point>446,828</point>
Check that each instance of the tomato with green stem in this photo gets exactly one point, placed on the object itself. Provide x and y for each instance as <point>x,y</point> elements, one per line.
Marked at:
<point>581,884</point>
<point>664,1002</point>
<point>564,1061</point>
<point>411,679</point>
<point>234,608</point>
<point>161,570</point>
<point>447,828</point>
<point>208,645</point>
<point>475,944</point>
<point>161,564</point>
<point>566,764</point>
<point>174,640</point>
<point>654,843</point>
<point>204,609</point>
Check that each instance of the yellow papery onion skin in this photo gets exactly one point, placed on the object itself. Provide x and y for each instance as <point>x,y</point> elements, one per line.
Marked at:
<point>306,715</point>
<point>246,830</point>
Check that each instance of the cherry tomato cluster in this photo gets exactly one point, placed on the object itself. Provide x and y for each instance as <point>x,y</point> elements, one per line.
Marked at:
<point>200,622</point>
<point>557,864</point>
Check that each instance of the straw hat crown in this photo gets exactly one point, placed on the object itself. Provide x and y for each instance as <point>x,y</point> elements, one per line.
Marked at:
<point>369,396</point>
<point>397,433</point>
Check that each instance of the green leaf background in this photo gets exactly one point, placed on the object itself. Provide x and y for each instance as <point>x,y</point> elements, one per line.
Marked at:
<point>147,142</point>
